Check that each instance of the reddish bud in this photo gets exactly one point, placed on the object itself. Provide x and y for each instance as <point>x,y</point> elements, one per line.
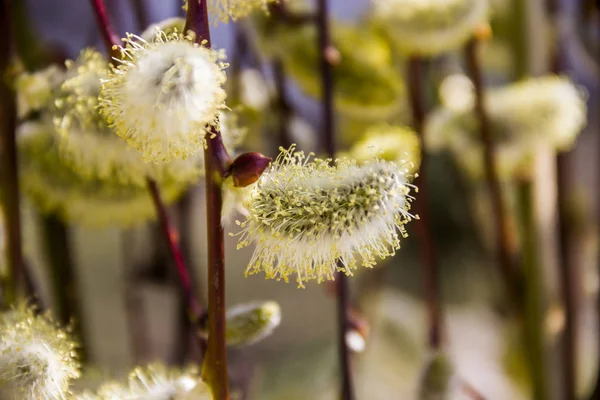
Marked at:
<point>358,331</point>
<point>247,168</point>
<point>357,322</point>
<point>483,32</point>
<point>332,55</point>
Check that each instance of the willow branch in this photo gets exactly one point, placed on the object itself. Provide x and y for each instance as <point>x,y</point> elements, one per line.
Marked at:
<point>282,104</point>
<point>428,254</point>
<point>505,246</point>
<point>569,270</point>
<point>172,238</point>
<point>167,228</point>
<point>109,36</point>
<point>214,370</point>
<point>328,136</point>
<point>11,198</point>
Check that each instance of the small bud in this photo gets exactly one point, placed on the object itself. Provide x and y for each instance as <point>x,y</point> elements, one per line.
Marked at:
<point>249,323</point>
<point>483,32</point>
<point>358,323</point>
<point>247,168</point>
<point>358,331</point>
<point>37,358</point>
<point>437,378</point>
<point>310,218</point>
<point>332,55</point>
<point>555,319</point>
<point>355,341</point>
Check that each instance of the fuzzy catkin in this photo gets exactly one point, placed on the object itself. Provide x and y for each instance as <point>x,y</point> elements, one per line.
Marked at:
<point>249,323</point>
<point>165,95</point>
<point>37,358</point>
<point>547,110</point>
<point>430,27</point>
<point>305,216</point>
<point>53,186</point>
<point>154,382</point>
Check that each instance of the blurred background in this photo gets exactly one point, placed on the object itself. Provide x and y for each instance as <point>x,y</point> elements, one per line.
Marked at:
<point>131,308</point>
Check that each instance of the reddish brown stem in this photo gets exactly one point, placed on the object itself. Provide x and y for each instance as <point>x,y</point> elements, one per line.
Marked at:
<point>11,198</point>
<point>342,292</point>
<point>167,228</point>
<point>428,254</point>
<point>596,392</point>
<point>568,268</point>
<point>172,237</point>
<point>282,104</point>
<point>216,163</point>
<point>110,38</point>
<point>505,247</point>
<point>569,283</point>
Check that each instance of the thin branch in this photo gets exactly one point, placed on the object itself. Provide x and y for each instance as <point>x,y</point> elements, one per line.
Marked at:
<point>596,392</point>
<point>109,36</point>
<point>505,246</point>
<point>282,104</point>
<point>169,232</point>
<point>533,317</point>
<point>11,198</point>
<point>328,116</point>
<point>428,254</point>
<point>171,236</point>
<point>216,163</point>
<point>569,269</point>
<point>569,282</point>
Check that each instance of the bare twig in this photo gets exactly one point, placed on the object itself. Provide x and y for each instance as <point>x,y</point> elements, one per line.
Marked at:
<point>328,136</point>
<point>167,228</point>
<point>11,198</point>
<point>429,261</point>
<point>282,104</point>
<point>505,246</point>
<point>216,163</point>
<point>568,268</point>
<point>111,39</point>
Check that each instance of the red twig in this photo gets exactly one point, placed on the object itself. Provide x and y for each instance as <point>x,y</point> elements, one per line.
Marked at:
<point>111,39</point>
<point>328,136</point>
<point>216,163</point>
<point>505,248</point>
<point>11,198</point>
<point>168,230</point>
<point>172,237</point>
<point>428,254</point>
